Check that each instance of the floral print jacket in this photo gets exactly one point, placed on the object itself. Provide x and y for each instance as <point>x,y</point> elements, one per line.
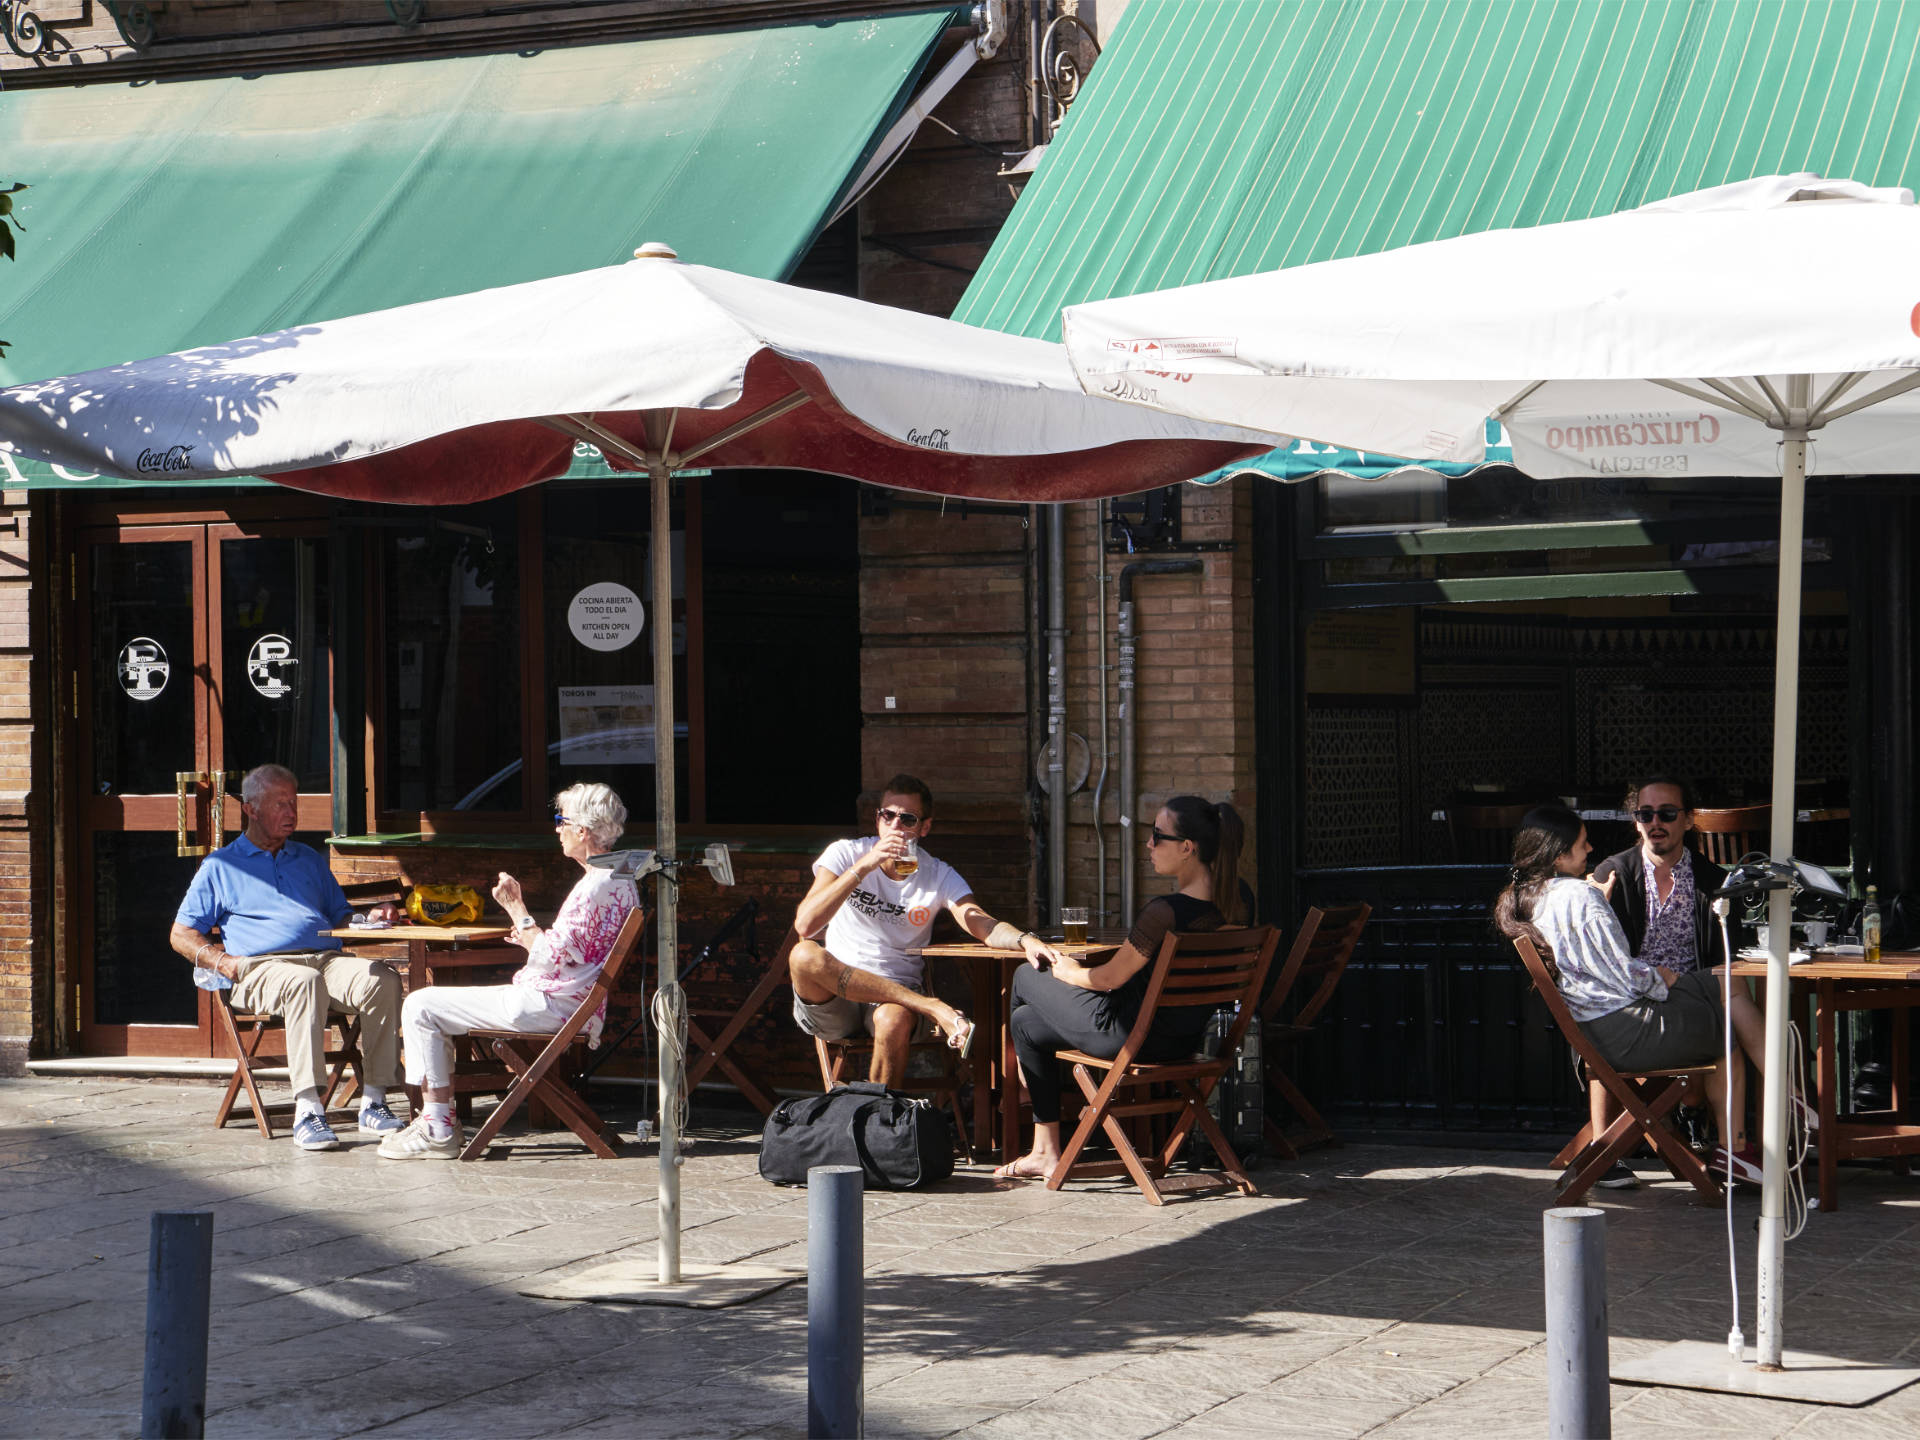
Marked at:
<point>566,959</point>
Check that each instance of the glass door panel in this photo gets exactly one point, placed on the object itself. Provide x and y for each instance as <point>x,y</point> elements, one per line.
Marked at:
<point>273,697</point>
<point>210,653</point>
<point>146,710</point>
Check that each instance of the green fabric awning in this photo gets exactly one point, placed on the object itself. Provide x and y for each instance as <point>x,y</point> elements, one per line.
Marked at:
<point>1236,136</point>
<point>163,216</point>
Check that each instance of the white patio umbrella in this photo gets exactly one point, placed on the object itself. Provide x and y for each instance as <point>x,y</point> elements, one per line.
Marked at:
<point>662,366</point>
<point>1745,330</point>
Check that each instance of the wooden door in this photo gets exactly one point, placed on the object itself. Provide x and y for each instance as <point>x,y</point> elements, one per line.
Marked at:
<point>208,653</point>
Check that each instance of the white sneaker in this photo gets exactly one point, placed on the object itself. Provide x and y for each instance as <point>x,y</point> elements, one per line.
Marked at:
<point>416,1142</point>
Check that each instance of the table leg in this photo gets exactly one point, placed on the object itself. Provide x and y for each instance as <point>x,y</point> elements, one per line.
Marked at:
<point>1009,1072</point>
<point>1901,1165</point>
<point>417,976</point>
<point>986,1019</point>
<point>1827,1087</point>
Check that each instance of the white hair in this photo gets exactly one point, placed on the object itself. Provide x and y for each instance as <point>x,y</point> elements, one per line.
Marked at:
<point>596,809</point>
<point>262,776</point>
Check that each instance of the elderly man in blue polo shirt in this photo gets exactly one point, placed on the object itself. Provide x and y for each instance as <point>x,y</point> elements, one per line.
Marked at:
<point>271,897</point>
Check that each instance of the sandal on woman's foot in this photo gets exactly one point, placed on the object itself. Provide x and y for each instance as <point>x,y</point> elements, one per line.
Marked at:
<point>1012,1171</point>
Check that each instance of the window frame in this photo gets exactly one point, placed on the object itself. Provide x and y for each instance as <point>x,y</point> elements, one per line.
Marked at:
<point>530,517</point>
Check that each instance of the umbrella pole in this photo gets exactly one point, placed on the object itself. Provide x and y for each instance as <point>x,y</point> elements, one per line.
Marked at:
<point>1771,1281</point>
<point>670,1007</point>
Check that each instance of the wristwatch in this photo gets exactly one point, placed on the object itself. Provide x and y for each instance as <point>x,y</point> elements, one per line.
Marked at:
<point>526,922</point>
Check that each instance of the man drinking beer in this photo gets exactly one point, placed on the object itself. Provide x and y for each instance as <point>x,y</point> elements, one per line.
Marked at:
<point>875,899</point>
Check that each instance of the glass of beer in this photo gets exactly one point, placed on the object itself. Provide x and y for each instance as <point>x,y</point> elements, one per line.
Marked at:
<point>909,864</point>
<point>1073,922</point>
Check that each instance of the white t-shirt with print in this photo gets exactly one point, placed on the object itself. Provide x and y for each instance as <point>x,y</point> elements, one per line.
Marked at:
<point>885,918</point>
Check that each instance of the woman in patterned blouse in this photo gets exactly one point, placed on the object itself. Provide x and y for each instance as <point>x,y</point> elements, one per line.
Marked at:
<point>1640,1016</point>
<point>563,960</point>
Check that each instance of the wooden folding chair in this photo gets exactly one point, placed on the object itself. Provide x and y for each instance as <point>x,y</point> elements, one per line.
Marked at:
<point>229,1024</point>
<point>1224,967</point>
<point>1645,1098</point>
<point>1723,836</point>
<point>532,1058</point>
<point>1314,965</point>
<point>704,1052</point>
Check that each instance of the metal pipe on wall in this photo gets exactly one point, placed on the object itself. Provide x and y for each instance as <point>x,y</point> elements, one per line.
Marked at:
<point>1056,712</point>
<point>1128,650</point>
<point>1100,679</point>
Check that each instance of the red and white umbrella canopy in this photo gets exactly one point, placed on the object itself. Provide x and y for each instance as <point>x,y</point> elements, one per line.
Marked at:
<point>462,399</point>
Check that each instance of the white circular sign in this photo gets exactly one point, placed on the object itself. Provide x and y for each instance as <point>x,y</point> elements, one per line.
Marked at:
<point>143,668</point>
<point>607,616</point>
<point>271,666</point>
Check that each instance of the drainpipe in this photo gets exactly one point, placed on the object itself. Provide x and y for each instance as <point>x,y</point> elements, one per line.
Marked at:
<point>1056,711</point>
<point>1106,745</point>
<point>1128,792</point>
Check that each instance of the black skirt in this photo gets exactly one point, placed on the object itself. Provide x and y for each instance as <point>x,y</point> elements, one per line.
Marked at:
<point>1686,1028</point>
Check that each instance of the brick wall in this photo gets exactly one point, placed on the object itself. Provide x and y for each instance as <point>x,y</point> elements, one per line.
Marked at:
<point>22,806</point>
<point>943,634</point>
<point>1193,683</point>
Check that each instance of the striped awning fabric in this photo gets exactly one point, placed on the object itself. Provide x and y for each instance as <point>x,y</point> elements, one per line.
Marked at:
<point>1234,136</point>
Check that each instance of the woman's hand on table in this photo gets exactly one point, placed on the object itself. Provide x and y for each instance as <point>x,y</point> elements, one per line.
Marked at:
<point>1039,954</point>
<point>384,914</point>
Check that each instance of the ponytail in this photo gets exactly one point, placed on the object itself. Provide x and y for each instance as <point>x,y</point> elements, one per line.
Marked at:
<point>1218,836</point>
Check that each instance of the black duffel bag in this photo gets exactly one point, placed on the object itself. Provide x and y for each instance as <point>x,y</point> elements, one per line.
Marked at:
<point>899,1142</point>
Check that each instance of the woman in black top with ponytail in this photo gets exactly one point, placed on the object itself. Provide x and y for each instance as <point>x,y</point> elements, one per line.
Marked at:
<point>1197,845</point>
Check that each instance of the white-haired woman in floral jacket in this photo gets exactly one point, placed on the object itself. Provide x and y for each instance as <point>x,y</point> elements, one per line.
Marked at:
<point>563,960</point>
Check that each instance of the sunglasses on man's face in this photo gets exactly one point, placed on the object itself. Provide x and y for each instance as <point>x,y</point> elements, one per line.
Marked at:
<point>898,817</point>
<point>1160,837</point>
<point>1666,814</point>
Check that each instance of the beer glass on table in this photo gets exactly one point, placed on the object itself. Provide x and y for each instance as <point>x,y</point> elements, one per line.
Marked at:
<point>1073,924</point>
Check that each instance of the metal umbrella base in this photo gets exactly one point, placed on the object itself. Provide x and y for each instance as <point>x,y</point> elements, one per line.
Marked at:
<point>1811,1379</point>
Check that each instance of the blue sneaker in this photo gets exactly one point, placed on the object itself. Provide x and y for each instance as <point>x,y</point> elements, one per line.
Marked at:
<point>377,1119</point>
<point>311,1132</point>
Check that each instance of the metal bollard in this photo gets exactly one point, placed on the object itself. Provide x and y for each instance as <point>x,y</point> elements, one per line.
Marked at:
<point>1576,1255</point>
<point>173,1394</point>
<point>836,1316</point>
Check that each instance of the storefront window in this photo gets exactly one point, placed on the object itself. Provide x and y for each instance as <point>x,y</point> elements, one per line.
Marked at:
<point>451,646</point>
<point>600,631</point>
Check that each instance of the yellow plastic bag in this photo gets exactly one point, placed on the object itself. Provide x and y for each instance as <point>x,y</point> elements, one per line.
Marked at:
<point>444,905</point>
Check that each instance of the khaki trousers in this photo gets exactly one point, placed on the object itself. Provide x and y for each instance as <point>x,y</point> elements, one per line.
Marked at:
<point>301,987</point>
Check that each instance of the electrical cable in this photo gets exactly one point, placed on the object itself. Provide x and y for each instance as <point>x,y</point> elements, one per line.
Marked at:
<point>670,1021</point>
<point>1722,907</point>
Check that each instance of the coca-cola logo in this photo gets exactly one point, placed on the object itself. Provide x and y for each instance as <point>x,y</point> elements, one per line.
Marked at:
<point>929,439</point>
<point>161,462</point>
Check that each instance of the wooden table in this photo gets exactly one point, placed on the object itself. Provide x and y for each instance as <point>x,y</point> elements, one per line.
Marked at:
<point>1842,983</point>
<point>990,972</point>
<point>430,946</point>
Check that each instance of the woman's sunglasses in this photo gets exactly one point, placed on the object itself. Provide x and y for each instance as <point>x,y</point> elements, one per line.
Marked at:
<point>1666,814</point>
<point>560,819</point>
<point>1160,837</point>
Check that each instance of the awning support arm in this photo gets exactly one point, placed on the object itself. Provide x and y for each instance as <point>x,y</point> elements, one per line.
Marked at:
<point>1725,399</point>
<point>743,427</point>
<point>1506,409</point>
<point>1818,416</point>
<point>1885,392</point>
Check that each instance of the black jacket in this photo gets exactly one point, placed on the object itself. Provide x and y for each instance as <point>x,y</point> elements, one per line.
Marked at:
<point>1629,902</point>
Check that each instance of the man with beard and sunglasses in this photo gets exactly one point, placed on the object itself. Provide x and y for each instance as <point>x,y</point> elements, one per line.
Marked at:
<point>1663,894</point>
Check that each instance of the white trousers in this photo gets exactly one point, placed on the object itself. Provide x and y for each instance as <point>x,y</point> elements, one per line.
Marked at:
<point>434,1014</point>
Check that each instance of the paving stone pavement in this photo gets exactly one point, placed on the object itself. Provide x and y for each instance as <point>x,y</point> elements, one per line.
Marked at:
<point>1369,1290</point>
